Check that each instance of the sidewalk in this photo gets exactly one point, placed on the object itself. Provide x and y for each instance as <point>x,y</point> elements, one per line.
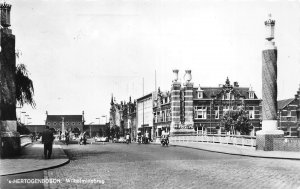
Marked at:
<point>238,150</point>
<point>32,159</point>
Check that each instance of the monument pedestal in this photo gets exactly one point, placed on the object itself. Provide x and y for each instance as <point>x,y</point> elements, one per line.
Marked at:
<point>10,143</point>
<point>264,138</point>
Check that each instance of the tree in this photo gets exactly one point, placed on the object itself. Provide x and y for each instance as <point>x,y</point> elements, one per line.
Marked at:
<point>24,87</point>
<point>236,120</point>
<point>22,129</point>
<point>114,131</point>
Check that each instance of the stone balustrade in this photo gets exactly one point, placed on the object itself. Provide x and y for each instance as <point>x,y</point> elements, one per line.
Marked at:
<point>221,139</point>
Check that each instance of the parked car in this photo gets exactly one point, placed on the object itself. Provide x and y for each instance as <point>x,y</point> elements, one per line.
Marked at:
<point>101,139</point>
<point>122,140</point>
<point>104,139</point>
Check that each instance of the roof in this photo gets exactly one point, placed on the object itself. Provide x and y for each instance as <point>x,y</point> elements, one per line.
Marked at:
<point>283,103</point>
<point>144,97</point>
<point>210,92</point>
<point>58,118</point>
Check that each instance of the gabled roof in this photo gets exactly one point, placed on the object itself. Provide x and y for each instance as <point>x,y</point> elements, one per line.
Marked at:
<point>283,103</point>
<point>58,118</point>
<point>212,92</point>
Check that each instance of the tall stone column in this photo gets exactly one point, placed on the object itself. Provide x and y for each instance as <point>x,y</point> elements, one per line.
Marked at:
<point>188,100</point>
<point>175,104</point>
<point>10,138</point>
<point>269,130</point>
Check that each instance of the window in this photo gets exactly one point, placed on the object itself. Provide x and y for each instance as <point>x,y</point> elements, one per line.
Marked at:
<point>163,116</point>
<point>289,113</point>
<point>54,123</point>
<point>79,123</point>
<point>67,123</point>
<point>251,112</point>
<point>48,123</point>
<point>200,94</point>
<point>155,118</point>
<point>251,95</point>
<point>217,113</point>
<point>200,112</point>
<point>227,96</point>
<point>168,115</point>
<point>73,123</point>
<point>227,107</point>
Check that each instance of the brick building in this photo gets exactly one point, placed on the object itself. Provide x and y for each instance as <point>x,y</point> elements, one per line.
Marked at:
<point>74,123</point>
<point>186,109</point>
<point>289,115</point>
<point>161,112</point>
<point>210,103</point>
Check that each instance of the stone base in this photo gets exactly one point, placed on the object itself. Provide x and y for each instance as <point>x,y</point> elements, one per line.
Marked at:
<point>265,139</point>
<point>10,144</point>
<point>8,126</point>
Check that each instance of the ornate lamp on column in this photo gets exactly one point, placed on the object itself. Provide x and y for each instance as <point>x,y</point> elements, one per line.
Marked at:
<point>264,140</point>
<point>10,138</point>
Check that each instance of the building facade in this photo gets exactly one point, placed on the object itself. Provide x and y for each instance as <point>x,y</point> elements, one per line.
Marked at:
<point>210,103</point>
<point>73,123</point>
<point>161,112</point>
<point>123,116</point>
<point>186,109</point>
<point>289,115</point>
<point>144,114</point>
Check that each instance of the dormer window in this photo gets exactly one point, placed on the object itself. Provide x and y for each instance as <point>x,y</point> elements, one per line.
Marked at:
<point>251,93</point>
<point>200,92</point>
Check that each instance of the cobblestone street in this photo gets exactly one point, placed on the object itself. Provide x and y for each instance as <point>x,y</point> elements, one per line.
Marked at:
<point>153,166</point>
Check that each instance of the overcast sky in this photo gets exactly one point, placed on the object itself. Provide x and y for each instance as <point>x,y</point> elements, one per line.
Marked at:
<point>80,52</point>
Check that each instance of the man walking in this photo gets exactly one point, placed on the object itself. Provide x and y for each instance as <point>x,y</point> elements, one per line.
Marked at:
<point>47,140</point>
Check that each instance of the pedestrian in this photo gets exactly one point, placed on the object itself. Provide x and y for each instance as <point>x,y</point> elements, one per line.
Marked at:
<point>47,140</point>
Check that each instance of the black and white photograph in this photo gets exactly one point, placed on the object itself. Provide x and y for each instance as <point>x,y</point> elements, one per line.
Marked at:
<point>101,94</point>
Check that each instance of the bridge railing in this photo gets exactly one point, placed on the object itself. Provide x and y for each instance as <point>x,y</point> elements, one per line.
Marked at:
<point>221,139</point>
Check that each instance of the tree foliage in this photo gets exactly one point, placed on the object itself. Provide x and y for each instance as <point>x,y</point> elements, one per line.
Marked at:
<point>115,131</point>
<point>22,129</point>
<point>24,87</point>
<point>236,120</point>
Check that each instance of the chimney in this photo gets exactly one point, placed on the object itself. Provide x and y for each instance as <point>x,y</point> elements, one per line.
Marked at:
<point>175,75</point>
<point>235,84</point>
<point>188,75</point>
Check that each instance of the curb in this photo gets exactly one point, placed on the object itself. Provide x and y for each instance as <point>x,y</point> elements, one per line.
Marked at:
<point>67,160</point>
<point>230,153</point>
<point>41,169</point>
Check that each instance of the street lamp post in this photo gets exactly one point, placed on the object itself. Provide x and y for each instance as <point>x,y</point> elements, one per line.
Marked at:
<point>27,120</point>
<point>21,116</point>
<point>99,119</point>
<point>90,125</point>
<point>105,118</point>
